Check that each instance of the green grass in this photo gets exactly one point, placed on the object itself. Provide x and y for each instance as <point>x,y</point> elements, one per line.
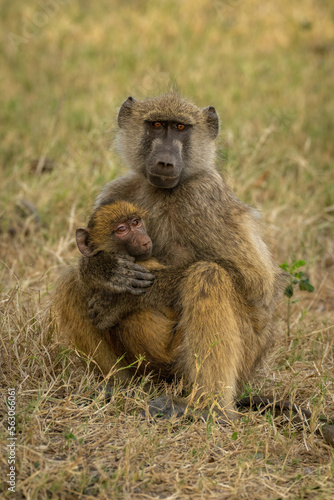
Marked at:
<point>267,67</point>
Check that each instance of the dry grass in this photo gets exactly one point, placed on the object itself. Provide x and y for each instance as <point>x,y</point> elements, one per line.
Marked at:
<point>268,69</point>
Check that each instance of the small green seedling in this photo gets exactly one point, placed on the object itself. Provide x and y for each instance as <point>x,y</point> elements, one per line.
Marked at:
<point>298,279</point>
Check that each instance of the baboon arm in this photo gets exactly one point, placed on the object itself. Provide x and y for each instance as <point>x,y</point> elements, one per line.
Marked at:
<point>107,309</point>
<point>114,274</point>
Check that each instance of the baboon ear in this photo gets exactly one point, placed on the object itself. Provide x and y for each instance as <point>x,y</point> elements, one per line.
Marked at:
<point>212,121</point>
<point>125,110</point>
<point>82,236</point>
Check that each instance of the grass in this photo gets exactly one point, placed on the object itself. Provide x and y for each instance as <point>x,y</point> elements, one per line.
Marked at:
<point>66,68</point>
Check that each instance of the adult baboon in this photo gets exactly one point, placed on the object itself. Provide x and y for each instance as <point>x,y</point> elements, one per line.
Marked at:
<point>231,285</point>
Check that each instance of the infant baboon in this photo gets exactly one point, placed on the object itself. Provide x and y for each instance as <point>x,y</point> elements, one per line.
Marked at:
<point>116,233</point>
<point>230,284</point>
<point>116,230</point>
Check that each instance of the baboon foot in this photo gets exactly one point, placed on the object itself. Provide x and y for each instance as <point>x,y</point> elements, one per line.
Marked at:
<point>166,407</point>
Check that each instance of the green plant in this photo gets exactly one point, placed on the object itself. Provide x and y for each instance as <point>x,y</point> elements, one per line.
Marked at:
<point>297,279</point>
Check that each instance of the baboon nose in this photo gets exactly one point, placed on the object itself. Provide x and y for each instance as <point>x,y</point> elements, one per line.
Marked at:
<point>146,243</point>
<point>165,165</point>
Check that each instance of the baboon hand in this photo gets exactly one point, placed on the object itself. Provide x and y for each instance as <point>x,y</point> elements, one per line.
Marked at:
<point>100,311</point>
<point>126,277</point>
<point>130,277</point>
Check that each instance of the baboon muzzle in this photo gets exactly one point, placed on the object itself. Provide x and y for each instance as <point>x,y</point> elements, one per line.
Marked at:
<point>165,171</point>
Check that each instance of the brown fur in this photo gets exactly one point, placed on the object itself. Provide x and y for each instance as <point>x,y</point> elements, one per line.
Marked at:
<point>132,317</point>
<point>107,216</point>
<point>144,332</point>
<point>231,284</point>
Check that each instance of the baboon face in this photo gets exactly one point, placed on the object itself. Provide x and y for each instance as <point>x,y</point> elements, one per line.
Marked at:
<point>167,142</point>
<point>131,237</point>
<point>116,228</point>
<point>166,138</point>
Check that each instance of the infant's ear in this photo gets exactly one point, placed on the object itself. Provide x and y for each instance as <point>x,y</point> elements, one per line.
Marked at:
<point>82,237</point>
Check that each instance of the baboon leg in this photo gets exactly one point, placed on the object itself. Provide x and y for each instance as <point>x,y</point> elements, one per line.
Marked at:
<point>75,327</point>
<point>211,348</point>
<point>150,334</point>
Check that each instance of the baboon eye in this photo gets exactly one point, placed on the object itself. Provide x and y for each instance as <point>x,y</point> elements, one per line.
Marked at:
<point>180,126</point>
<point>136,222</point>
<point>121,229</point>
<point>157,124</point>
